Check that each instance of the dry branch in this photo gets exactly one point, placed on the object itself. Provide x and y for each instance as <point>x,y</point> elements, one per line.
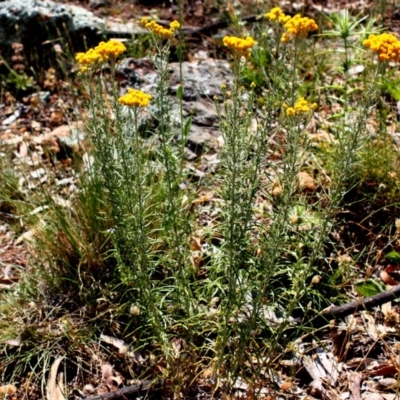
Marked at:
<point>362,304</point>
<point>131,392</point>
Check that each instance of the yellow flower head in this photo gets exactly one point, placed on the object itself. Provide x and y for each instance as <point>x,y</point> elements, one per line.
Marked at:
<point>163,33</point>
<point>174,26</point>
<point>88,58</point>
<point>135,98</point>
<point>290,111</point>
<point>240,47</point>
<point>111,49</point>
<point>276,14</point>
<point>302,106</point>
<point>83,70</point>
<point>386,45</point>
<point>298,27</point>
<point>101,53</point>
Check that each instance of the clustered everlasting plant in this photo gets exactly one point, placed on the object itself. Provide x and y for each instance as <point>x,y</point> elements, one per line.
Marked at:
<point>386,45</point>
<point>135,98</point>
<point>302,106</point>
<point>296,27</point>
<point>229,312</point>
<point>100,54</point>
<point>276,14</point>
<point>240,47</point>
<point>159,30</point>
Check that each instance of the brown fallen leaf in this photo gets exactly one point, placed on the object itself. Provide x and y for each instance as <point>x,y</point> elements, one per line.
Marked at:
<point>23,150</point>
<point>391,275</point>
<point>56,117</point>
<point>276,188</point>
<point>306,181</point>
<point>14,342</point>
<point>203,199</point>
<point>9,281</point>
<point>384,370</point>
<point>51,140</point>
<point>196,259</point>
<point>7,390</point>
<point>55,389</point>
<point>106,372</point>
<point>195,243</point>
<point>118,343</point>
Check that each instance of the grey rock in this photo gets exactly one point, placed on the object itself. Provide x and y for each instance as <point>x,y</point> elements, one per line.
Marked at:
<point>39,24</point>
<point>64,140</point>
<point>138,74</point>
<point>94,4</point>
<point>202,80</point>
<point>199,139</point>
<point>203,112</point>
<point>127,75</point>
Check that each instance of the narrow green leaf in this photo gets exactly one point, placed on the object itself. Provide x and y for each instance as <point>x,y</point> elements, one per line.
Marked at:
<point>393,256</point>
<point>369,287</point>
<point>179,92</point>
<point>186,128</point>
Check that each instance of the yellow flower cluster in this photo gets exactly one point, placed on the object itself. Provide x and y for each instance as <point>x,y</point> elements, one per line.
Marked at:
<point>386,45</point>
<point>101,53</point>
<point>111,49</point>
<point>300,107</point>
<point>276,14</point>
<point>88,58</point>
<point>298,27</point>
<point>159,30</point>
<point>135,98</point>
<point>240,47</point>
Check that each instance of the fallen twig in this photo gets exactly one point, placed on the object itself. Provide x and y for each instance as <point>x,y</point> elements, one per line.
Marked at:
<point>133,391</point>
<point>361,304</point>
<point>339,312</point>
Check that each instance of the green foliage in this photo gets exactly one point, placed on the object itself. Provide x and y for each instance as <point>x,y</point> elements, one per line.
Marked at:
<point>391,87</point>
<point>369,287</point>
<point>18,81</point>
<point>15,80</point>
<point>393,256</point>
